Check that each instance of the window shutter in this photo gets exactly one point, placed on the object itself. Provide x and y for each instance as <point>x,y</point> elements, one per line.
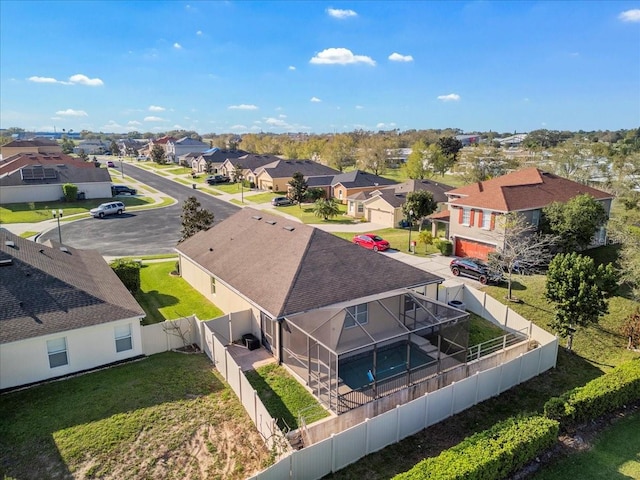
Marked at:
<point>460,214</point>
<point>471,217</point>
<point>493,221</point>
<point>480,214</point>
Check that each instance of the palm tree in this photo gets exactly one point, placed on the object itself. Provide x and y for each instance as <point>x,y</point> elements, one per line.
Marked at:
<point>326,208</point>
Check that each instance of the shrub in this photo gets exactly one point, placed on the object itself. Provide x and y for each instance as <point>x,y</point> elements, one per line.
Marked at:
<point>493,453</point>
<point>128,272</point>
<point>445,246</point>
<point>602,395</point>
<point>70,192</point>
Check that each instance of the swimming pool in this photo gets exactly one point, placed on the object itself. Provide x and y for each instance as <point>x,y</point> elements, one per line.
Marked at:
<point>391,360</point>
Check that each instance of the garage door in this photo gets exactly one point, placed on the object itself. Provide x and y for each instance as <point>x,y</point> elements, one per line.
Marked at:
<point>471,248</point>
<point>381,218</point>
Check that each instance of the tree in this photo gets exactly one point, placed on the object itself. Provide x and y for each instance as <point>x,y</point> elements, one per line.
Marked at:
<point>238,177</point>
<point>338,152</point>
<point>128,272</point>
<point>158,155</point>
<point>299,187</point>
<point>372,154</point>
<point>416,164</point>
<point>426,238</point>
<point>450,146</point>
<point>438,161</point>
<point>326,208</point>
<point>67,145</point>
<point>114,148</point>
<point>194,218</point>
<point>421,203</point>
<point>574,222</point>
<point>574,284</point>
<point>631,329</point>
<point>523,250</point>
<point>83,155</point>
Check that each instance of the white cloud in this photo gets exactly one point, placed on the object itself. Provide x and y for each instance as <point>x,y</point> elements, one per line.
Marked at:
<point>338,13</point>
<point>282,115</point>
<point>77,79</point>
<point>359,107</point>
<point>133,123</point>
<point>151,118</point>
<point>452,97</point>
<point>396,57</point>
<point>177,46</point>
<point>242,107</point>
<point>275,122</point>
<point>69,112</point>
<point>199,32</point>
<point>630,15</point>
<point>382,126</point>
<point>80,79</point>
<point>315,100</point>
<point>156,108</point>
<point>291,67</point>
<point>340,56</point>
<point>237,127</point>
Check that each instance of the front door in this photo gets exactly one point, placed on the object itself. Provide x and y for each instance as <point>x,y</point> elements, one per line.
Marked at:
<point>268,329</point>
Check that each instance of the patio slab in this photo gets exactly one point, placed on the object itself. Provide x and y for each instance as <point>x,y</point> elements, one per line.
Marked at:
<point>250,359</point>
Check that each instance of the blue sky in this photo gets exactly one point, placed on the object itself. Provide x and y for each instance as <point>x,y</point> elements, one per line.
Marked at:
<point>318,67</point>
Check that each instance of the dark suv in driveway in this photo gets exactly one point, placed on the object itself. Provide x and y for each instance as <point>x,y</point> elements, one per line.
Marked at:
<point>214,179</point>
<point>122,189</point>
<point>474,268</point>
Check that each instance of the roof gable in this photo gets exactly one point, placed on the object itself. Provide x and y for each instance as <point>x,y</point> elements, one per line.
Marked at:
<point>314,268</point>
<point>358,178</point>
<point>286,168</point>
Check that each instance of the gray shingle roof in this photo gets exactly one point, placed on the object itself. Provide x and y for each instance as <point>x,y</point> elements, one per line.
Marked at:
<point>252,162</point>
<point>286,267</point>
<point>308,168</point>
<point>44,290</point>
<point>357,178</point>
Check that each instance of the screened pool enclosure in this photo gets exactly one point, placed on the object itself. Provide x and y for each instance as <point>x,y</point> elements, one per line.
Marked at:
<point>354,353</point>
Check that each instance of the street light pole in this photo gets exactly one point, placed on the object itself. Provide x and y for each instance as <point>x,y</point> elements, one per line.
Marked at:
<point>122,166</point>
<point>410,225</point>
<point>58,215</point>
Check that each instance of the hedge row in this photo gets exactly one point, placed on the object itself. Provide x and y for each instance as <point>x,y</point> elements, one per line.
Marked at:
<point>605,394</point>
<point>128,272</point>
<point>491,454</point>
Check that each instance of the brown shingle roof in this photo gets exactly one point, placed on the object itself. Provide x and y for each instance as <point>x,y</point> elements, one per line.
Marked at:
<point>44,290</point>
<point>286,267</point>
<point>522,190</point>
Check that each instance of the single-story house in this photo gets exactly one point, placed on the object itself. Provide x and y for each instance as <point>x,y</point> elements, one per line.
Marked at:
<point>34,145</point>
<point>343,319</point>
<point>92,147</point>
<point>277,175</point>
<point>39,178</point>
<point>62,311</point>
<point>211,160</point>
<point>249,163</point>
<point>475,210</point>
<point>351,183</point>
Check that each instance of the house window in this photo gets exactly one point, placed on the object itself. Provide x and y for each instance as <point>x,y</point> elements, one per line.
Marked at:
<point>213,285</point>
<point>360,208</point>
<point>535,218</point>
<point>486,219</point>
<point>123,338</point>
<point>357,313</point>
<point>57,350</point>
<point>340,194</point>
<point>466,216</point>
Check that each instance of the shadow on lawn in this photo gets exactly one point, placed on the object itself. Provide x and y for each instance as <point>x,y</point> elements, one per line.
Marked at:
<point>272,402</point>
<point>30,418</point>
<point>151,302</point>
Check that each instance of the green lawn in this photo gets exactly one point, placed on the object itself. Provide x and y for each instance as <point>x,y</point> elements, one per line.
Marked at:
<point>168,416</point>
<point>304,213</point>
<point>284,397</point>
<point>164,296</point>
<point>260,197</point>
<point>33,212</point>
<point>615,454</point>
<point>398,238</point>
<point>231,188</point>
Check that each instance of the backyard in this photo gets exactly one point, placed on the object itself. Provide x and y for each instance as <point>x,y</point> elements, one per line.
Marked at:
<point>168,416</point>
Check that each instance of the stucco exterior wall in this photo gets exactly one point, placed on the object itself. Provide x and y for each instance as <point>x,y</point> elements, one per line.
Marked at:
<point>9,151</point>
<point>474,231</point>
<point>27,361</point>
<point>49,192</point>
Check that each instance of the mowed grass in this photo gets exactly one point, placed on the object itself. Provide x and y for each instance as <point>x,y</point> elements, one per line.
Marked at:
<point>284,397</point>
<point>165,297</point>
<point>304,212</point>
<point>32,212</point>
<point>398,238</point>
<point>168,416</point>
<point>615,454</point>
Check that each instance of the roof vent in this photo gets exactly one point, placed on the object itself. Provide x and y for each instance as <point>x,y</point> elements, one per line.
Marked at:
<point>271,222</point>
<point>289,228</point>
<point>41,250</point>
<point>257,217</point>
<point>5,262</point>
<point>64,249</point>
<point>10,243</point>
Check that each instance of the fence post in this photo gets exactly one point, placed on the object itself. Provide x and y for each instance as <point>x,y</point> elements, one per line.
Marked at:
<point>333,452</point>
<point>230,329</point>
<point>255,407</point>
<point>366,436</point>
<point>397,423</point>
<point>240,383</point>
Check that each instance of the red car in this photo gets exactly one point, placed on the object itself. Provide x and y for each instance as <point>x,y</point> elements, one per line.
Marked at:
<point>371,241</point>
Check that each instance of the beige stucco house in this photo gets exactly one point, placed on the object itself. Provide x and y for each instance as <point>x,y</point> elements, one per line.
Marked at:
<point>35,145</point>
<point>351,183</point>
<point>276,176</point>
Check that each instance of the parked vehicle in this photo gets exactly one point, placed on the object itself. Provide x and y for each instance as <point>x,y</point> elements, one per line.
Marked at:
<point>109,208</point>
<point>281,201</point>
<point>372,242</point>
<point>474,268</point>
<point>122,190</point>
<point>214,179</point>
<point>110,164</point>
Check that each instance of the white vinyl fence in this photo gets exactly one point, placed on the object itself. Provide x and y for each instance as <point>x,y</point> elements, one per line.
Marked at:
<point>341,449</point>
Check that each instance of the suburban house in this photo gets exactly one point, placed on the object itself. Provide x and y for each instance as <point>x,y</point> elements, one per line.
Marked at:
<point>62,311</point>
<point>179,148</point>
<point>353,325</point>
<point>467,140</point>
<point>162,141</point>
<point>384,206</point>
<point>128,147</point>
<point>277,175</point>
<point>249,163</point>
<point>349,184</point>
<point>212,159</point>
<point>474,211</point>
<point>92,147</point>
<point>38,177</point>
<point>35,145</point>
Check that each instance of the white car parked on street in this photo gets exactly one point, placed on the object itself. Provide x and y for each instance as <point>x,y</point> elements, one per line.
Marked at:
<point>110,208</point>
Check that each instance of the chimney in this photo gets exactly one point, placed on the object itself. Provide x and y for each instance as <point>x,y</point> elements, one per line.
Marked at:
<point>480,187</point>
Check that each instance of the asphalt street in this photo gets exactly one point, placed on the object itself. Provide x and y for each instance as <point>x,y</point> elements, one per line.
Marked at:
<point>138,233</point>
